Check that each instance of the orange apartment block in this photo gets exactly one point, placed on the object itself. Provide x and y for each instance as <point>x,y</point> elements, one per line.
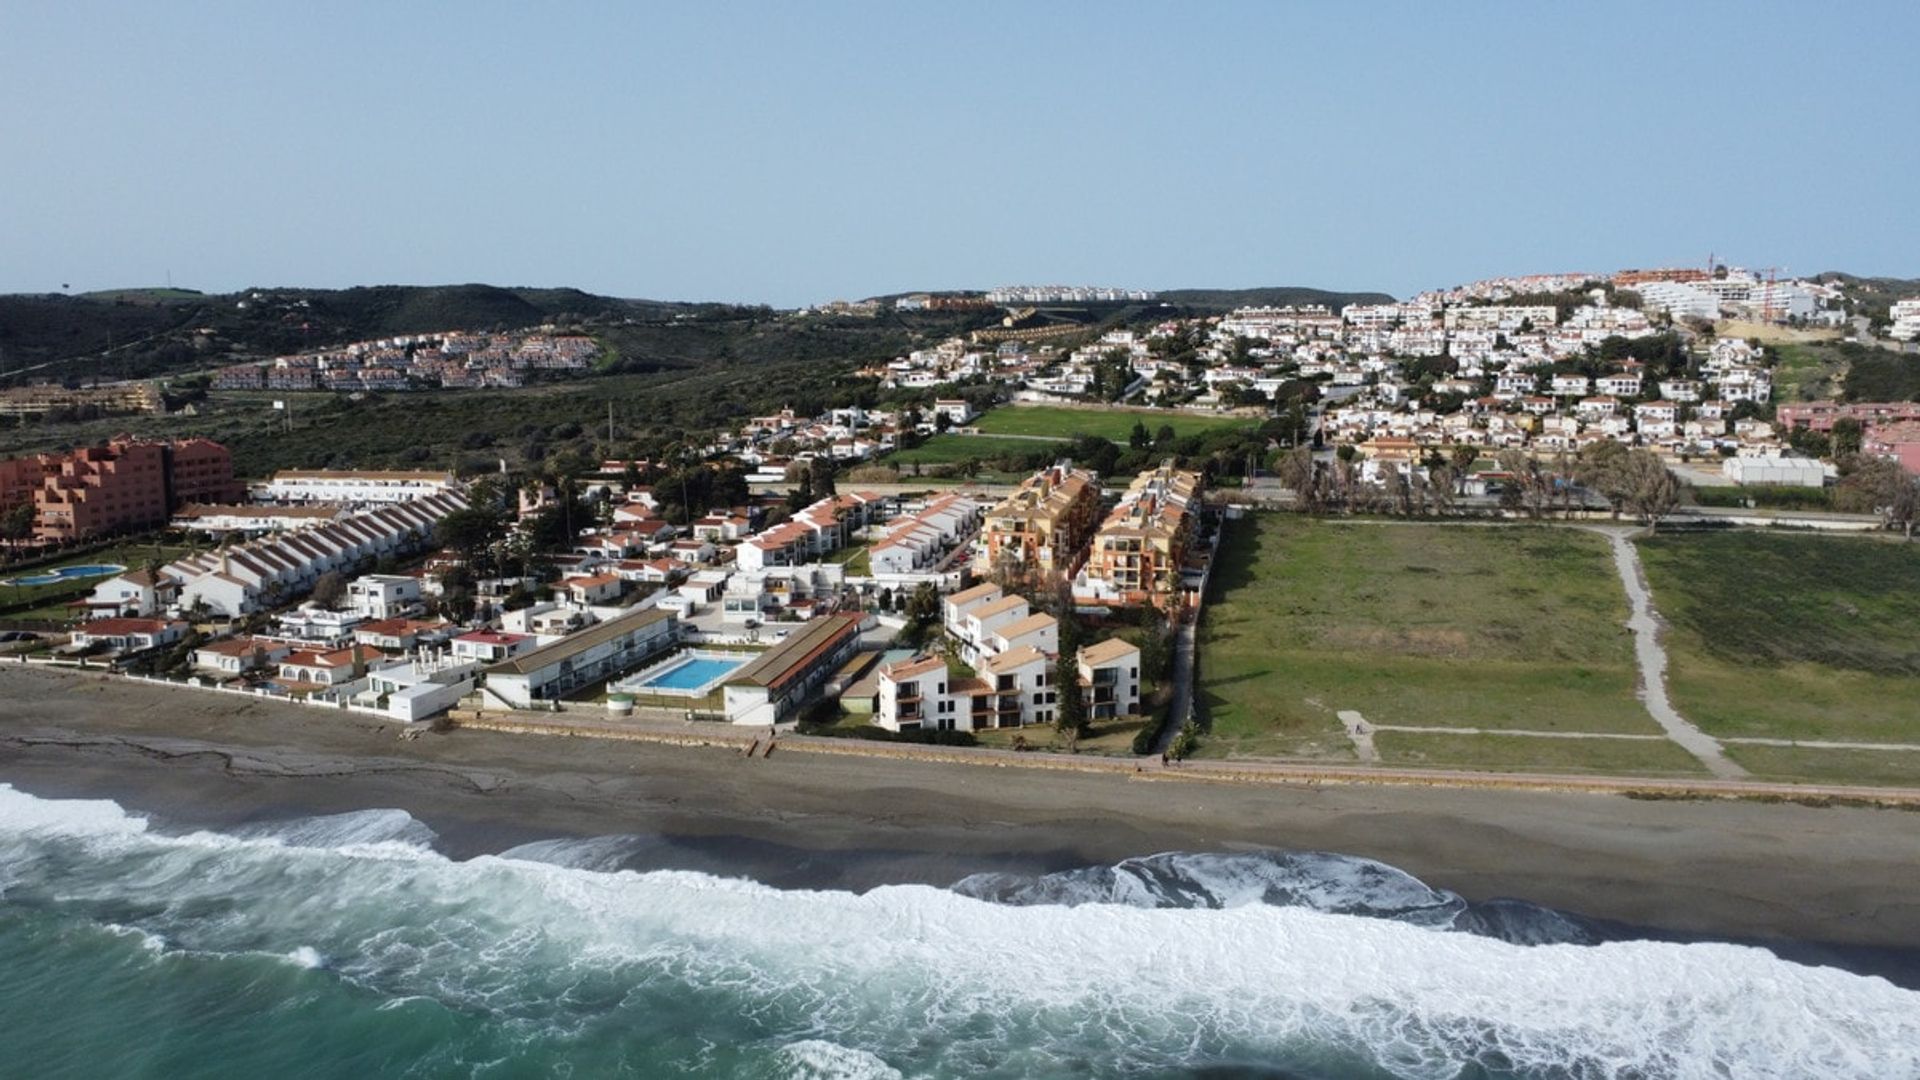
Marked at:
<point>1044,525</point>
<point>1139,551</point>
<point>125,485</point>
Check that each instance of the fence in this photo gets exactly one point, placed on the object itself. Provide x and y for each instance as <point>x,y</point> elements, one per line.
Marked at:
<point>202,685</point>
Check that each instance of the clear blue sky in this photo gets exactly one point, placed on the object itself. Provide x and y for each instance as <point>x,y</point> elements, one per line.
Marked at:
<point>800,152</point>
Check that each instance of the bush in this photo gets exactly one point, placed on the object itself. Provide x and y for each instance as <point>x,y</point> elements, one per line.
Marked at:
<point>1144,739</point>
<point>1188,741</point>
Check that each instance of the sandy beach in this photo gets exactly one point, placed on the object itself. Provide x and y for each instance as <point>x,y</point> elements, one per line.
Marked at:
<point>1839,876</point>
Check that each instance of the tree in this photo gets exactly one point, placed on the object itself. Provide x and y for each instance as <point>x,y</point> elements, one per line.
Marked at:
<point>17,524</point>
<point>1653,491</point>
<point>1601,469</point>
<point>1878,486</point>
<point>329,589</point>
<point>924,605</point>
<point>1847,436</point>
<point>1528,484</point>
<point>1070,716</point>
<point>1296,473</point>
<point>1140,439</point>
<point>1164,438</point>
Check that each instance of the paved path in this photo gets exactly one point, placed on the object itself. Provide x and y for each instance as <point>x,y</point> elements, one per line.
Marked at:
<point>1360,733</point>
<point>1820,744</point>
<point>1181,707</point>
<point>1652,658</point>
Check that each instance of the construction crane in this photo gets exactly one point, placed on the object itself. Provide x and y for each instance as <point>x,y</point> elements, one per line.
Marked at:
<point>1767,300</point>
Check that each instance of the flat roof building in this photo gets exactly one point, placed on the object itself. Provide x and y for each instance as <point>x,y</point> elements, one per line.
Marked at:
<point>600,652</point>
<point>777,683</point>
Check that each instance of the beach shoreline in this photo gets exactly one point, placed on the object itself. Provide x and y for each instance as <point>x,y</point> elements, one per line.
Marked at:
<point>1720,868</point>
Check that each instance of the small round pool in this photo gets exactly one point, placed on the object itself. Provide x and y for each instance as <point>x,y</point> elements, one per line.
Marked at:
<point>66,573</point>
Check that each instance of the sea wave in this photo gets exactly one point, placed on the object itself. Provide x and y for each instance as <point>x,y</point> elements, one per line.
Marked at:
<point>1308,965</point>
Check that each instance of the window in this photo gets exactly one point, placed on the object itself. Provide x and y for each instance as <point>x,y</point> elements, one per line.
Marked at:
<point>1135,673</point>
<point>1039,699</point>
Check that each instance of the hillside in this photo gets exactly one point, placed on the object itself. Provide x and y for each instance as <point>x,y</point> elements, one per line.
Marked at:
<point>1274,296</point>
<point>137,333</point>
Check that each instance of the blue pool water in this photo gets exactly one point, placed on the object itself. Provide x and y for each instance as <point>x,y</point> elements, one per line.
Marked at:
<point>66,573</point>
<point>695,673</point>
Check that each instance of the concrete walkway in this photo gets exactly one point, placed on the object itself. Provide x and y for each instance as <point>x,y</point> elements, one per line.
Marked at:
<point>1652,658</point>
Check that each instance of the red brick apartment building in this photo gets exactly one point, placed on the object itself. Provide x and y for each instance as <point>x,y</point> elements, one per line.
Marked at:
<point>125,485</point>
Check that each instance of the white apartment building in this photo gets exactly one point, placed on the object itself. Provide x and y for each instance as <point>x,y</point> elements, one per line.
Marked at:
<point>383,596</point>
<point>357,488</point>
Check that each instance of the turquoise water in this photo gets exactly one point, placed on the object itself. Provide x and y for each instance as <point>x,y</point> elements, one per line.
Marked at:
<point>694,674</point>
<point>66,573</point>
<point>345,946</point>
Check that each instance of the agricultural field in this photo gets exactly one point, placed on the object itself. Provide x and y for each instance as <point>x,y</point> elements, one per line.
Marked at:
<point>1791,635</point>
<point>1114,424</point>
<point>1497,628</point>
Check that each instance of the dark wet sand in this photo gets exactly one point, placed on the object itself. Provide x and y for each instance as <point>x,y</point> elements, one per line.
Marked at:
<point>1737,869</point>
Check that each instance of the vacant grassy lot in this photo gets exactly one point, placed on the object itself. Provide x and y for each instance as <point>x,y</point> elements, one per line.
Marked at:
<point>1505,627</point>
<point>1115,424</point>
<point>952,448</point>
<point>1791,635</point>
<point>1891,768</point>
<point>1523,753</point>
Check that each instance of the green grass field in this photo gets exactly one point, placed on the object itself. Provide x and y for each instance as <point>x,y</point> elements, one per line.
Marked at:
<point>952,448</point>
<point>1523,753</point>
<point>1791,635</point>
<point>1114,424</point>
<point>1504,627</point>
<point>1893,768</point>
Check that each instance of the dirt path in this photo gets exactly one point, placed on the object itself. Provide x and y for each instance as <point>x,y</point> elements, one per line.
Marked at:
<point>1651,656</point>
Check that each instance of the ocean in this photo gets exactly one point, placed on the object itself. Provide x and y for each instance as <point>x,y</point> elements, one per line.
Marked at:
<point>347,946</point>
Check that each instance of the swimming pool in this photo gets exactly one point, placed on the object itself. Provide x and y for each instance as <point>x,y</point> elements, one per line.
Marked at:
<point>690,674</point>
<point>66,573</point>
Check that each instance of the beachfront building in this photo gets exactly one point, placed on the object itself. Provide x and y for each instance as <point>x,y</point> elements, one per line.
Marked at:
<point>1141,548</point>
<point>358,488</point>
<point>599,652</point>
<point>776,684</point>
<point>311,668</point>
<point>1110,674</point>
<point>493,646</point>
<point>128,635</point>
<point>1043,527</point>
<point>409,690</point>
<point>236,656</point>
<point>1020,683</point>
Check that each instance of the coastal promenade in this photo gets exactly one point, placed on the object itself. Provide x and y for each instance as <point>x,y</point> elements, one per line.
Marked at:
<point>754,742</point>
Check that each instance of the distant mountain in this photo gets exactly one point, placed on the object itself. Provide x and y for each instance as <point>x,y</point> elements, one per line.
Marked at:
<point>143,333</point>
<point>1275,296</point>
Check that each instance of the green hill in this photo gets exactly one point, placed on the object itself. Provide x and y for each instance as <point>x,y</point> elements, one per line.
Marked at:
<point>1274,296</point>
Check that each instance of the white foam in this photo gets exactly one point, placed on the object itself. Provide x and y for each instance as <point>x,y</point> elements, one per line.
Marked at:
<point>308,957</point>
<point>926,980</point>
<point>817,1059</point>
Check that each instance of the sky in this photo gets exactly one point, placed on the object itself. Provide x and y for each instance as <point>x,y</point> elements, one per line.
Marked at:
<point>796,153</point>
